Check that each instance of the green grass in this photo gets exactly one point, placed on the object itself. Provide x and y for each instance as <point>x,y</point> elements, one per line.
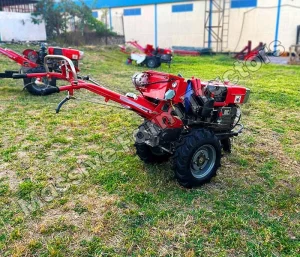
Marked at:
<point>84,204</point>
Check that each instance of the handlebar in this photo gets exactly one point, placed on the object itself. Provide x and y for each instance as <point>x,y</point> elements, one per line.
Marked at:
<point>19,76</point>
<point>73,70</point>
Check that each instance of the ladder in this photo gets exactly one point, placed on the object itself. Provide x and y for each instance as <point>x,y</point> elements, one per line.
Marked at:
<point>216,24</point>
<point>225,30</point>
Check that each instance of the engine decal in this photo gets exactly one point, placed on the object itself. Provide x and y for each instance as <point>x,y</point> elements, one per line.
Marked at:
<point>126,100</point>
<point>237,99</point>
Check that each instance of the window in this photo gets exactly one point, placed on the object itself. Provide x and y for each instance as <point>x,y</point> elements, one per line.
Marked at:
<point>243,3</point>
<point>182,8</point>
<point>132,12</point>
<point>95,14</point>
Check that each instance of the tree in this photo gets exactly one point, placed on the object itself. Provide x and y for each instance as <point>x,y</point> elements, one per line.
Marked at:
<point>58,15</point>
<point>49,12</point>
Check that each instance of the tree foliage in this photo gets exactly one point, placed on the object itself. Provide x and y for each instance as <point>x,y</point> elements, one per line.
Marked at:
<point>59,16</point>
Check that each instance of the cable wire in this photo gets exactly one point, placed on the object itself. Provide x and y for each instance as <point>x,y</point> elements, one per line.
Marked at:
<point>262,7</point>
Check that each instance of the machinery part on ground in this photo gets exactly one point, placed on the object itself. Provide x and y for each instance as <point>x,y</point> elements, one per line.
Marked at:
<point>197,158</point>
<point>138,58</point>
<point>193,51</point>
<point>249,54</point>
<point>294,54</point>
<point>40,87</point>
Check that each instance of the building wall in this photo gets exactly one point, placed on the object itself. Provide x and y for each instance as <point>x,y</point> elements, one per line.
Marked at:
<point>183,28</point>
<point>289,20</point>
<point>257,22</point>
<point>173,28</point>
<point>18,27</point>
<point>141,25</point>
<point>117,20</point>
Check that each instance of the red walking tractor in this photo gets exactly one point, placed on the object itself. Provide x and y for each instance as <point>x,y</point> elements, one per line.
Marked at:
<point>188,120</point>
<point>32,61</point>
<point>149,56</point>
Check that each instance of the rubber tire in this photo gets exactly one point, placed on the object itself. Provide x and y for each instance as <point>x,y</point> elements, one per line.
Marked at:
<point>148,156</point>
<point>158,63</point>
<point>184,153</point>
<point>35,90</point>
<point>226,145</point>
<point>151,62</point>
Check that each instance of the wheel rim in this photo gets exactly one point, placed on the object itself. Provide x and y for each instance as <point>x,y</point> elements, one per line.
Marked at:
<point>151,63</point>
<point>203,161</point>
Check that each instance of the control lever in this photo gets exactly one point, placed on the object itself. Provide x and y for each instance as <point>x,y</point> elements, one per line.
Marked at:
<point>63,102</point>
<point>83,77</point>
<point>88,78</point>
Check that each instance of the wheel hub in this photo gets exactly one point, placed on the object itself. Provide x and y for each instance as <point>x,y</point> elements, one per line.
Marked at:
<point>203,161</point>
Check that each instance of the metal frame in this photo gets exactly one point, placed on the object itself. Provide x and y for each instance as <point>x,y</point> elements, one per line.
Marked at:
<point>22,6</point>
<point>140,104</point>
<point>20,59</point>
<point>216,24</point>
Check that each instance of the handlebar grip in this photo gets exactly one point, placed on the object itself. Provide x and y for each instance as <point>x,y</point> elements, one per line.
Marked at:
<point>19,76</point>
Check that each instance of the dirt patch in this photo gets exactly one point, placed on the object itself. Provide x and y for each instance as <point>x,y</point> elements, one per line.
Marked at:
<point>9,176</point>
<point>83,225</point>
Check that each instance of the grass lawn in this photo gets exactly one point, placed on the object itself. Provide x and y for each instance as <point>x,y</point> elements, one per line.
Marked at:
<point>71,184</point>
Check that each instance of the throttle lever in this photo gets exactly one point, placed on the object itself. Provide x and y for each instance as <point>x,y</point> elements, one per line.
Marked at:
<point>83,77</point>
<point>88,78</point>
<point>63,102</point>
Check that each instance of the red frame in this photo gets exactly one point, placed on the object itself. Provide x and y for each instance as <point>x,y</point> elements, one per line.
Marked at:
<point>148,50</point>
<point>248,54</point>
<point>22,60</point>
<point>25,62</point>
<point>159,83</point>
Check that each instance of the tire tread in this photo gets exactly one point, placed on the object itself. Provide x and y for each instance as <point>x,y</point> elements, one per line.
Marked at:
<point>184,152</point>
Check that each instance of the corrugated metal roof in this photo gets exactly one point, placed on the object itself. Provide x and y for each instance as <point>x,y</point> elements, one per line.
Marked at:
<point>125,3</point>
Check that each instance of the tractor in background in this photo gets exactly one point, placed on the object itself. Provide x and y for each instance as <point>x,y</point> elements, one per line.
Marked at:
<point>149,56</point>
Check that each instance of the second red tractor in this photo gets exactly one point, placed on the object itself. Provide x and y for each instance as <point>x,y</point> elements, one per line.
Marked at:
<point>32,61</point>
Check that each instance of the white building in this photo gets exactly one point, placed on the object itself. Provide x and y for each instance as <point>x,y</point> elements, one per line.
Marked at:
<point>16,24</point>
<point>199,23</point>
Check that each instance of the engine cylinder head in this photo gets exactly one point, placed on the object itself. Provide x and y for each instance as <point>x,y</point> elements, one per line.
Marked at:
<point>140,79</point>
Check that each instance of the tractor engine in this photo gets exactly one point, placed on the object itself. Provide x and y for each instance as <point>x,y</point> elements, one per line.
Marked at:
<point>73,54</point>
<point>34,63</point>
<point>38,56</point>
<point>212,105</point>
